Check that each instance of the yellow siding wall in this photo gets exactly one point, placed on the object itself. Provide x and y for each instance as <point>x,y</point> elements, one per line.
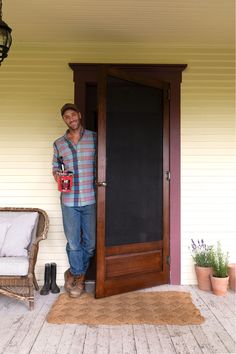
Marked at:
<point>36,81</point>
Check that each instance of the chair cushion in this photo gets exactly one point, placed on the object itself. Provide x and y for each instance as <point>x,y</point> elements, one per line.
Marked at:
<point>14,265</point>
<point>19,234</point>
<point>4,226</point>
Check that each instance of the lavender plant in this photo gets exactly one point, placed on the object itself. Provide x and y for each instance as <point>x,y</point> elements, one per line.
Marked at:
<point>201,253</point>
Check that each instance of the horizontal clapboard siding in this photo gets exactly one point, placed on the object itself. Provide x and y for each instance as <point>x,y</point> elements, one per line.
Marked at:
<point>36,81</point>
<point>208,166</point>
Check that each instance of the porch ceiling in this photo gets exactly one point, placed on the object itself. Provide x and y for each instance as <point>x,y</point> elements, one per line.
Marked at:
<point>166,22</point>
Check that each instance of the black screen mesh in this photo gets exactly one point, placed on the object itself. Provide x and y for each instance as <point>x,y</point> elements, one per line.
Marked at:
<point>134,151</point>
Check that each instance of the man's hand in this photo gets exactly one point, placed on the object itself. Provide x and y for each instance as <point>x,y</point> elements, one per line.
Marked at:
<point>55,175</point>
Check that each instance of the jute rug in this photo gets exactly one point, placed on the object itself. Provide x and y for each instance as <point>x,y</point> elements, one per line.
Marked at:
<point>169,307</point>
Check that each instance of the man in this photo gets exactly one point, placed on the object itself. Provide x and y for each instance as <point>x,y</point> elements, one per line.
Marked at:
<point>77,150</point>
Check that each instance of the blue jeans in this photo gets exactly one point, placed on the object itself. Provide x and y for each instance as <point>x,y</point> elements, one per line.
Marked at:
<point>79,227</point>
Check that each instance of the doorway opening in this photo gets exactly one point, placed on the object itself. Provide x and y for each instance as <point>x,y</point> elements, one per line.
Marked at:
<point>131,108</point>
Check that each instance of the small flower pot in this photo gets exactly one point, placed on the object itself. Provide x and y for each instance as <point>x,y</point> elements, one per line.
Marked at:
<point>219,285</point>
<point>232,276</point>
<point>203,277</point>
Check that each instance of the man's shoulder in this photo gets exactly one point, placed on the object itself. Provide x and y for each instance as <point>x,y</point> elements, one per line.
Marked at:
<point>90,134</point>
<point>59,140</point>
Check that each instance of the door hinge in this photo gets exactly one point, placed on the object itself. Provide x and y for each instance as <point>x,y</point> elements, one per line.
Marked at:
<point>168,260</point>
<point>168,175</point>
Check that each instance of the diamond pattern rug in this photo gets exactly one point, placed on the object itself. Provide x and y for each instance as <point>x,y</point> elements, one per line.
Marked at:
<point>163,307</point>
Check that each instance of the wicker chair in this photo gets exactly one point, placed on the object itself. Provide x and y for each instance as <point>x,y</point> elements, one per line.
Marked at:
<point>22,287</point>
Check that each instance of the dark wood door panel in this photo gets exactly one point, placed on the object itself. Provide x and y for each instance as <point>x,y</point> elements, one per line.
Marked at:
<point>118,285</point>
<point>134,263</point>
<point>134,248</point>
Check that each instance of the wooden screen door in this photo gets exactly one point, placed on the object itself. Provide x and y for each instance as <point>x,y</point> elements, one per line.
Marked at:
<point>133,182</point>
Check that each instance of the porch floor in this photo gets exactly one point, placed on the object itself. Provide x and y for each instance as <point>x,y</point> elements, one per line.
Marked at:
<point>24,331</point>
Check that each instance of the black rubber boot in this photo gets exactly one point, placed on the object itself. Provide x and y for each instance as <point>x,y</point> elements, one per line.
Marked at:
<point>47,278</point>
<point>53,287</point>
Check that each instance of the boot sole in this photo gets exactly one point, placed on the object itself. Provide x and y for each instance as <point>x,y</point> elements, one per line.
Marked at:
<point>55,291</point>
<point>75,296</point>
<point>67,289</point>
<point>42,294</point>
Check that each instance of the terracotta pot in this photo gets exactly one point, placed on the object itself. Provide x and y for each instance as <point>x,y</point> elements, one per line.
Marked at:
<point>203,277</point>
<point>232,276</point>
<point>219,285</point>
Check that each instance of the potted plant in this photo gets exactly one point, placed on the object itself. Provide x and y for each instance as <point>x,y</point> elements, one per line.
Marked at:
<point>220,278</point>
<point>202,256</point>
<point>232,276</point>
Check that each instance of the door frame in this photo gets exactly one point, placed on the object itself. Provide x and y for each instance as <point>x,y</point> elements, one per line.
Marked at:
<point>171,73</point>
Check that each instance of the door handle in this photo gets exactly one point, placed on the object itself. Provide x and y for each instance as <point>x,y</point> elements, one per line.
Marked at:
<point>101,184</point>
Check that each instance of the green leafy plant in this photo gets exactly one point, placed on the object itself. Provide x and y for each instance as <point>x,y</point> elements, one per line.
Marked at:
<point>220,262</point>
<point>201,253</point>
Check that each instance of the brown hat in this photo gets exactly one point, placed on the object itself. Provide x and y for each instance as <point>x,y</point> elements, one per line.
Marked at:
<point>69,106</point>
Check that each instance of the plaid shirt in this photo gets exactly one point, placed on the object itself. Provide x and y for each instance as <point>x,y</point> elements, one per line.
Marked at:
<point>81,160</point>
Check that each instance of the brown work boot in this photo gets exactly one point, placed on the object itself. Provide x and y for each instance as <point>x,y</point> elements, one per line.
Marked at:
<point>79,286</point>
<point>69,280</point>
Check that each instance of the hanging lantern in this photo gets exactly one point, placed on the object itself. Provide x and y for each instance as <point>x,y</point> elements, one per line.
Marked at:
<point>5,37</point>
